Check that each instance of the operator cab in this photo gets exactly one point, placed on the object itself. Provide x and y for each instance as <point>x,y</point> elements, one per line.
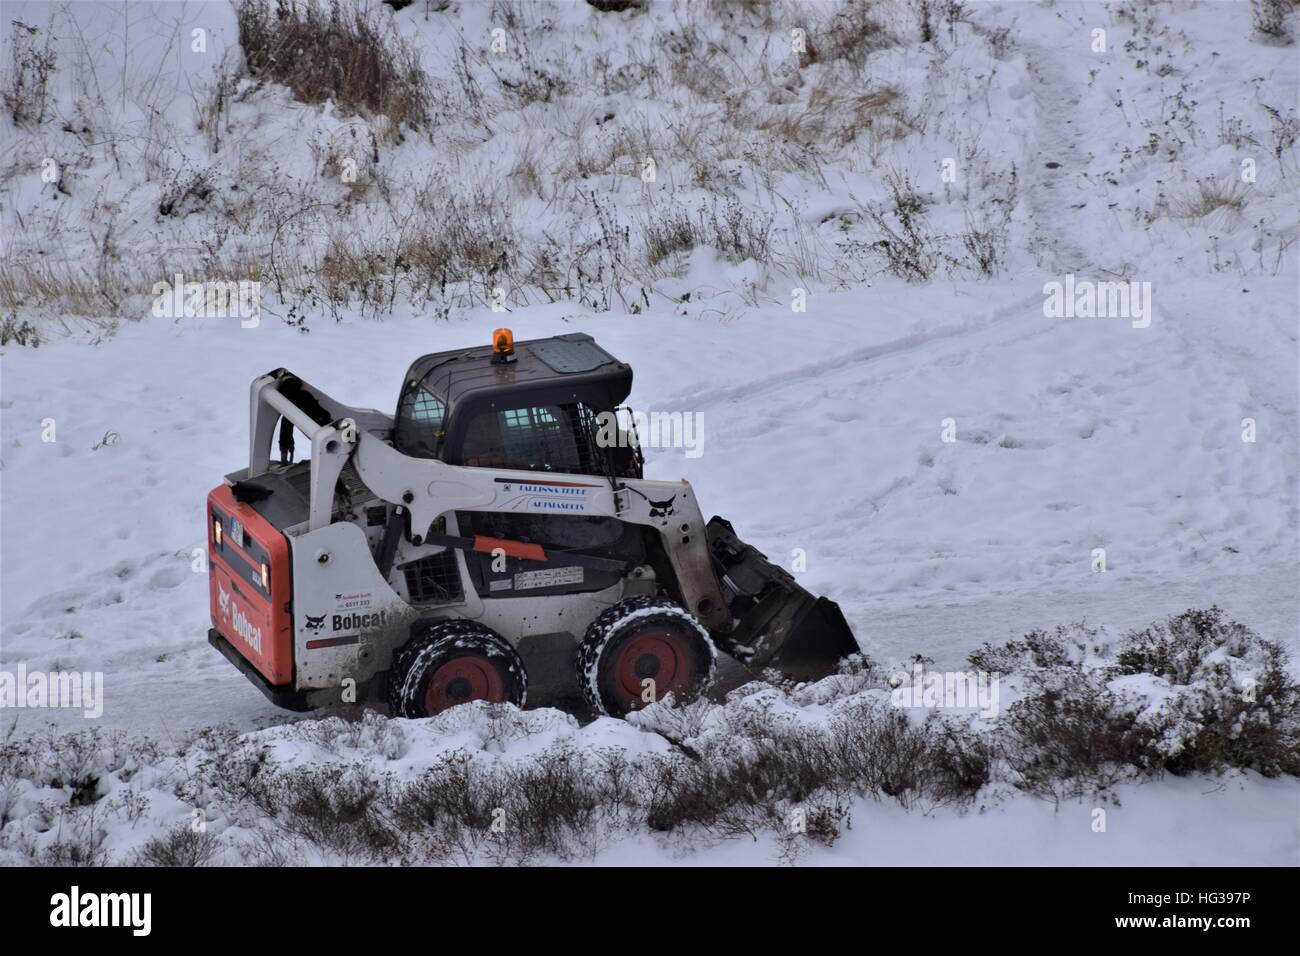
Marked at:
<point>542,405</point>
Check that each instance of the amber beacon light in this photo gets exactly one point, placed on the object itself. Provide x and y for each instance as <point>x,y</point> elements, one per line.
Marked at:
<point>503,345</point>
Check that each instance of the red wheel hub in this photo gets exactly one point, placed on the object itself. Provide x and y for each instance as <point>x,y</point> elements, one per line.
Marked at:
<point>463,679</point>
<point>660,656</point>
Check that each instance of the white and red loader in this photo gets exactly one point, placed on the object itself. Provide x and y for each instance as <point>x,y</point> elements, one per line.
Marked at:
<point>495,532</point>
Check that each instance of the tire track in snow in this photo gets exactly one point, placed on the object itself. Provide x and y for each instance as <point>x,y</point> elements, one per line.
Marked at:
<point>697,399</point>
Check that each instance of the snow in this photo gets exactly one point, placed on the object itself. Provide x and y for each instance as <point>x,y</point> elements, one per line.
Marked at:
<point>1168,822</point>
<point>1155,824</point>
<point>915,566</point>
<point>823,430</point>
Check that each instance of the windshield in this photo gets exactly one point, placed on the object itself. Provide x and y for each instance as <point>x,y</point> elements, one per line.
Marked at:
<point>534,437</point>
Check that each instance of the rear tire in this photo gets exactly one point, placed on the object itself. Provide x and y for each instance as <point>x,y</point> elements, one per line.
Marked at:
<point>638,639</point>
<point>452,663</point>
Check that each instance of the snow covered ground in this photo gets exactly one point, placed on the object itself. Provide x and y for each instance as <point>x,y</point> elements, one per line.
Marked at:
<point>824,429</point>
<point>1234,820</point>
<point>807,444</point>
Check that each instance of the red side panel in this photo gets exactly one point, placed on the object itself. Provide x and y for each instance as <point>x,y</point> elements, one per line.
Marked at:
<point>250,585</point>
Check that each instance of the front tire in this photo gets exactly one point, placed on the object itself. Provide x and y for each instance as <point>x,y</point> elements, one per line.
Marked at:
<point>452,663</point>
<point>639,651</point>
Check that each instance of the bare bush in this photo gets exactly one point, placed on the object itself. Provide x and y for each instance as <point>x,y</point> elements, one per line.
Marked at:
<point>1269,18</point>
<point>187,192</point>
<point>21,333</point>
<point>26,87</point>
<point>667,232</point>
<point>340,54</point>
<point>86,850</point>
<point>852,33</point>
<point>1283,130</point>
<point>1197,693</point>
<point>1175,649</point>
<point>617,6</point>
<point>1037,649</point>
<point>333,809</point>
<point>212,105</point>
<point>985,242</point>
<point>739,234</point>
<point>563,803</point>
<point>910,250</point>
<point>1069,737</point>
<point>180,846</point>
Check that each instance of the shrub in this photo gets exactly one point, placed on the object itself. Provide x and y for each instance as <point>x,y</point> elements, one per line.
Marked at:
<point>26,87</point>
<point>852,33</point>
<point>339,54</point>
<point>617,6</point>
<point>909,249</point>
<point>186,194</point>
<point>1166,699</point>
<point>1269,18</point>
<point>1072,736</point>
<point>1283,130</point>
<point>1194,693</point>
<point>1037,649</point>
<point>1232,703</point>
<point>334,809</point>
<point>1175,649</point>
<point>20,333</point>
<point>667,233</point>
<point>985,242</point>
<point>179,846</point>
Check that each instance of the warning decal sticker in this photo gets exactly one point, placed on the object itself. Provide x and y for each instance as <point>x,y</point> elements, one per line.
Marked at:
<point>547,578</point>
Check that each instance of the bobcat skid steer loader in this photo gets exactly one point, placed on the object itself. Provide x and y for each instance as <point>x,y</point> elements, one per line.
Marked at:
<point>495,532</point>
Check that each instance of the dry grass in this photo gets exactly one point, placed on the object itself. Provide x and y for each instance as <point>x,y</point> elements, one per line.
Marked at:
<point>908,246</point>
<point>834,115</point>
<point>67,293</point>
<point>67,288</point>
<point>1208,196</point>
<point>565,215</point>
<point>212,105</point>
<point>26,85</point>
<point>851,33</point>
<point>737,233</point>
<point>339,53</point>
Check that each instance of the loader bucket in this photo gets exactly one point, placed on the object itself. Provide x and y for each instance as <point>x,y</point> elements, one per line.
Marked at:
<point>778,624</point>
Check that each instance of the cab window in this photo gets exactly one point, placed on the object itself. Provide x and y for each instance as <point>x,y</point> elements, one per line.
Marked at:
<point>536,437</point>
<point>420,416</point>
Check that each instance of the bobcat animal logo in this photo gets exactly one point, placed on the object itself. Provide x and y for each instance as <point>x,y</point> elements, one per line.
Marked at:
<point>315,623</point>
<point>223,600</point>
<point>661,509</point>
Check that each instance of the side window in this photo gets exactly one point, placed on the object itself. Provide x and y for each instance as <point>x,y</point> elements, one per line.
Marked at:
<point>419,423</point>
<point>539,437</point>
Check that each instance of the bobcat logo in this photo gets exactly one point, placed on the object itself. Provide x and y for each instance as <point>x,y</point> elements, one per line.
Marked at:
<point>661,509</point>
<point>223,600</point>
<point>315,623</point>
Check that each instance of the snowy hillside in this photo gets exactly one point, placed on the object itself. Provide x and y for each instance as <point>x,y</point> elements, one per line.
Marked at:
<point>835,244</point>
